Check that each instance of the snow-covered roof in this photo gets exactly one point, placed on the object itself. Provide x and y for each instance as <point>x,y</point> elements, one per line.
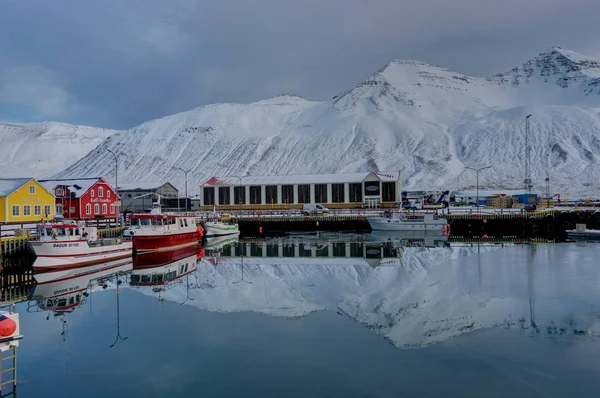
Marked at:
<point>141,186</point>
<point>76,186</point>
<point>10,185</point>
<point>391,176</point>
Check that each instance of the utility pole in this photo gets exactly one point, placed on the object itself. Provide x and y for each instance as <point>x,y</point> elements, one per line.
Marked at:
<point>117,208</point>
<point>527,157</point>
<point>477,173</point>
<point>186,191</point>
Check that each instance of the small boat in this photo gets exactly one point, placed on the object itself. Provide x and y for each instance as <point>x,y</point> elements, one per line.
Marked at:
<point>154,231</point>
<point>403,221</point>
<point>583,233</point>
<point>70,244</point>
<point>219,228</point>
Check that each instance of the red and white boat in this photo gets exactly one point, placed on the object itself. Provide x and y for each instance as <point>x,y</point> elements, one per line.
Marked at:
<point>65,290</point>
<point>152,269</point>
<point>69,244</point>
<point>154,231</point>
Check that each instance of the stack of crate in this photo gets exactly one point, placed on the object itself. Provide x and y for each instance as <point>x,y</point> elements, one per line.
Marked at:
<point>500,202</point>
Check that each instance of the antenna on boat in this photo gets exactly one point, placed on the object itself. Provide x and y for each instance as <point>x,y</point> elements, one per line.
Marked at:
<point>156,206</point>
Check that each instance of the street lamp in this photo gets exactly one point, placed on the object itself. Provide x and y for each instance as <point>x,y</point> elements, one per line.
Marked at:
<point>116,184</point>
<point>118,337</point>
<point>186,191</point>
<point>477,173</point>
<point>527,156</point>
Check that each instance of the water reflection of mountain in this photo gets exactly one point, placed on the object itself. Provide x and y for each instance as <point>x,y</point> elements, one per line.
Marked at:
<point>426,295</point>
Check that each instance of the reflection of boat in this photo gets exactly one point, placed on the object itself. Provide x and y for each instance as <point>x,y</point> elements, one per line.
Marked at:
<point>155,231</point>
<point>219,241</point>
<point>401,221</point>
<point>70,244</point>
<point>164,267</point>
<point>65,290</point>
<point>409,238</point>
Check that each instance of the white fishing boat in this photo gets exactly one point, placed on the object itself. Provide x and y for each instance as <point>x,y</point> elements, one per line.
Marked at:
<point>218,228</point>
<point>155,231</point>
<point>70,244</point>
<point>403,221</point>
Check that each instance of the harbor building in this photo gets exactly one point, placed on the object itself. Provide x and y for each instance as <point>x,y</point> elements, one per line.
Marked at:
<point>137,196</point>
<point>24,200</point>
<point>334,191</point>
<point>83,198</point>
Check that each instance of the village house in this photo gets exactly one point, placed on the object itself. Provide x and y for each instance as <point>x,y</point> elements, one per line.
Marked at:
<point>83,198</point>
<point>24,200</point>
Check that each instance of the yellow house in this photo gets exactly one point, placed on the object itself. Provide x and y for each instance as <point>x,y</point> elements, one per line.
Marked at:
<point>23,200</point>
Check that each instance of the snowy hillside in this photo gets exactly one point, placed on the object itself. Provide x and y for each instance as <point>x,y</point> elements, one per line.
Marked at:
<point>426,121</point>
<point>434,295</point>
<point>43,149</point>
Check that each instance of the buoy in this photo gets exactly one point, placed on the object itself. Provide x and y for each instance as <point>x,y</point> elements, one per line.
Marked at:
<point>484,236</point>
<point>485,220</point>
<point>317,223</point>
<point>200,231</point>
<point>7,326</point>
<point>260,230</point>
<point>200,253</point>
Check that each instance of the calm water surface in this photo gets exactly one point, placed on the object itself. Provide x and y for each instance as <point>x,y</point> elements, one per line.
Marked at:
<point>436,321</point>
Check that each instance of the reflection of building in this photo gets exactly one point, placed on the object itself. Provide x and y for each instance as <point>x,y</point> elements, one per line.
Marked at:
<point>130,200</point>
<point>349,190</point>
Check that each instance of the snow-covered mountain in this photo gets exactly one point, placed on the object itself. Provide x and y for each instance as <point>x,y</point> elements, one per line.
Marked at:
<point>428,122</point>
<point>43,149</point>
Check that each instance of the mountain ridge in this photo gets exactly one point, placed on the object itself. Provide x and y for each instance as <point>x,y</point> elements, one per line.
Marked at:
<point>428,122</point>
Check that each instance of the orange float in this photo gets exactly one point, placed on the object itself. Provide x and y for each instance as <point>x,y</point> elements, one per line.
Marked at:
<point>7,326</point>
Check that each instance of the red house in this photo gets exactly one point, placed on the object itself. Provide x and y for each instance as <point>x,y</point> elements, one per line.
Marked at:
<point>83,198</point>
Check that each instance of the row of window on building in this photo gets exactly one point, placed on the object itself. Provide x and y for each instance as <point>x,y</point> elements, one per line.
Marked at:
<point>338,194</point>
<point>59,192</point>
<point>338,249</point>
<point>88,209</point>
<point>37,210</point>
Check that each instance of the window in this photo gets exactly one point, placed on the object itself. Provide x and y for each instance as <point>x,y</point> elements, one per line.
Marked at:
<point>337,193</point>
<point>58,192</point>
<point>108,193</point>
<point>16,210</point>
<point>209,196</point>
<point>287,194</point>
<point>320,193</point>
<point>72,210</point>
<point>355,192</point>
<point>388,192</point>
<point>224,195</point>
<point>47,210</point>
<point>372,188</point>
<point>26,210</point>
<point>37,210</point>
<point>304,193</point>
<point>88,209</point>
<point>104,208</point>
<point>271,194</point>
<point>32,189</point>
<point>92,193</point>
<point>96,208</point>
<point>59,209</point>
<point>112,207</point>
<point>100,192</point>
<point>239,194</point>
<point>255,195</point>
<point>185,222</point>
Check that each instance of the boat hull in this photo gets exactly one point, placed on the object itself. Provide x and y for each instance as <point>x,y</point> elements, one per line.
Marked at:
<point>152,243</point>
<point>213,231</point>
<point>66,262</point>
<point>382,224</point>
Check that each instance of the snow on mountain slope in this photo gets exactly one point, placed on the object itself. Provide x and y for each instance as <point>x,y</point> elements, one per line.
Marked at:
<point>426,121</point>
<point>43,149</point>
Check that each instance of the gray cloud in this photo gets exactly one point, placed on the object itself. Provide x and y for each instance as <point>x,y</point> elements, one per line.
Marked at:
<point>116,64</point>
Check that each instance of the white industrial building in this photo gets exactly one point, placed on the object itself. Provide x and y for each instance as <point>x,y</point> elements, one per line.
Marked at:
<point>347,190</point>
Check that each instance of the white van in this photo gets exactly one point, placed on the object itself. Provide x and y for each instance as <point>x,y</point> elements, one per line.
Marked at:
<point>316,208</point>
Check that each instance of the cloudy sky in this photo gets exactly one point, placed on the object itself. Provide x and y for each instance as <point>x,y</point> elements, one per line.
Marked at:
<point>119,63</point>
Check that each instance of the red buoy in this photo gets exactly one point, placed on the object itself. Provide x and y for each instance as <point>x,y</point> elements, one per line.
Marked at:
<point>7,326</point>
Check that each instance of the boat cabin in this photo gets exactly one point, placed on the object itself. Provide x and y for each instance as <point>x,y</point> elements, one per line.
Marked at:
<point>68,230</point>
<point>64,303</point>
<point>162,275</point>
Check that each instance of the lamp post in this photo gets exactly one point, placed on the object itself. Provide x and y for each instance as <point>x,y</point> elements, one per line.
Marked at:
<point>527,156</point>
<point>477,173</point>
<point>117,215</point>
<point>186,191</point>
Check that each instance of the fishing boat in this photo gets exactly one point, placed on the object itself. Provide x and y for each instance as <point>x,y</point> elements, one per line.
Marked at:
<point>217,226</point>
<point>69,244</point>
<point>64,290</point>
<point>155,231</point>
<point>404,221</point>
